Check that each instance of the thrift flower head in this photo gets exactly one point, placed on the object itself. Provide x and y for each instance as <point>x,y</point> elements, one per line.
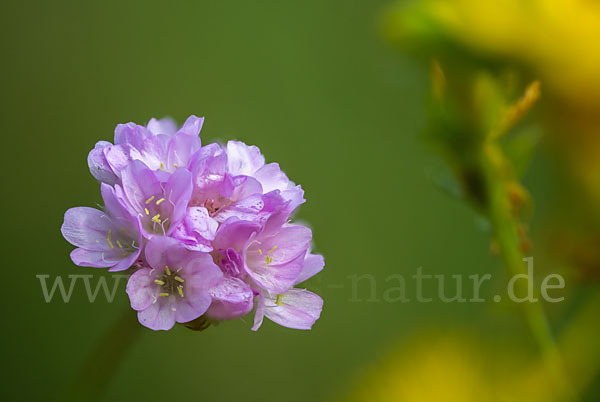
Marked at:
<point>204,230</point>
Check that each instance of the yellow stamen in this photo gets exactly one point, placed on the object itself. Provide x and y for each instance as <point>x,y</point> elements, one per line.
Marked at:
<point>180,290</point>
<point>108,239</point>
<point>156,218</point>
<point>147,212</point>
<point>163,294</point>
<point>273,249</point>
<point>159,201</point>
<point>167,270</point>
<point>260,251</point>
<point>176,166</point>
<point>178,279</point>
<point>149,200</point>
<point>162,166</point>
<point>278,301</point>
<point>119,244</point>
<point>159,282</point>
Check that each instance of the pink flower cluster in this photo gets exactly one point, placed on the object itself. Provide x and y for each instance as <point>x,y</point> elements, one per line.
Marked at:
<point>204,230</point>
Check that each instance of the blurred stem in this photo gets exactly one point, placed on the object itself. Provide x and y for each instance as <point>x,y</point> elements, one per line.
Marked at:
<point>500,213</point>
<point>100,366</point>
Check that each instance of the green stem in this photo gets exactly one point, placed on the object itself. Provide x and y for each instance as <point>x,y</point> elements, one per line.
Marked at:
<point>95,375</point>
<point>506,231</point>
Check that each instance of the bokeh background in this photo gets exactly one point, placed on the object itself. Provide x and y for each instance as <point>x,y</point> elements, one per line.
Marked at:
<point>327,92</point>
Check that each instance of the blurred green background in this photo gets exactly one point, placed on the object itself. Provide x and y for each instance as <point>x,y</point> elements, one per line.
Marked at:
<point>315,86</point>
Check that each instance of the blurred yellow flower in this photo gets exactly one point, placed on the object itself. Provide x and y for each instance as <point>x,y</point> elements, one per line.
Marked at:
<point>453,367</point>
<point>555,41</point>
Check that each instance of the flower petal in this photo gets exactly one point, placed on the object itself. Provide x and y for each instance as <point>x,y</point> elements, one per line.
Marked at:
<point>248,209</point>
<point>232,298</point>
<point>153,152</point>
<point>313,264</point>
<point>272,178</point>
<point>126,262</point>
<point>139,183</point>
<point>163,126</point>
<point>234,233</point>
<point>94,258</point>
<point>116,207</point>
<point>99,166</point>
<point>189,309</point>
<point>161,251</point>
<point>292,197</point>
<point>180,150</point>
<point>158,316</point>
<point>243,159</point>
<point>197,230</point>
<point>87,228</point>
<point>296,308</point>
<point>276,278</point>
<point>118,157</point>
<point>141,289</point>
<point>200,272</point>
<point>285,245</point>
<point>259,314</point>
<point>178,192</point>
<point>192,126</point>
<point>132,134</point>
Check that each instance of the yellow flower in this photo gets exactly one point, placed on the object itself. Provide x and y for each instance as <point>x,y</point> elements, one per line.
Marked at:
<point>557,39</point>
<point>453,367</point>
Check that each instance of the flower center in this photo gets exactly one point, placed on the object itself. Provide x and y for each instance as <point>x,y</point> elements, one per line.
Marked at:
<point>170,283</point>
<point>268,258</point>
<point>153,219</point>
<point>119,241</point>
<point>214,206</point>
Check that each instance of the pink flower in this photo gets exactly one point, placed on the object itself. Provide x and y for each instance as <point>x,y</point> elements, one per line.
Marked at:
<point>109,238</point>
<point>294,308</point>
<point>175,288</point>
<point>207,229</point>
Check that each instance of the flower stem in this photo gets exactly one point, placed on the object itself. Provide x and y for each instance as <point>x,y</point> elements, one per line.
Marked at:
<point>91,382</point>
<point>499,211</point>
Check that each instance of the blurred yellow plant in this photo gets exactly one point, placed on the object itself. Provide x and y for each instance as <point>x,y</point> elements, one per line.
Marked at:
<point>486,50</point>
<point>451,367</point>
<point>458,366</point>
<point>556,41</point>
